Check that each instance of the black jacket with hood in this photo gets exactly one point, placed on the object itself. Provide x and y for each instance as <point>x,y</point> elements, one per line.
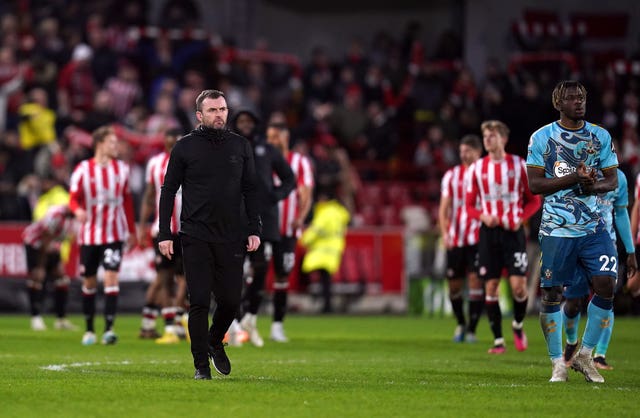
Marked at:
<point>216,170</point>
<point>268,161</point>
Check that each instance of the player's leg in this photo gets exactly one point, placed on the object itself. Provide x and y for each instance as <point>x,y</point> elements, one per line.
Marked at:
<point>35,286</point>
<point>599,257</point>
<point>61,293</point>
<point>476,293</point>
<point>227,290</point>
<point>284,262</point>
<point>455,273</point>
<point>254,291</point>
<point>170,335</point>
<point>558,264</point>
<point>571,311</point>
<point>490,262</point>
<point>111,259</point>
<point>89,259</point>
<point>518,264</point>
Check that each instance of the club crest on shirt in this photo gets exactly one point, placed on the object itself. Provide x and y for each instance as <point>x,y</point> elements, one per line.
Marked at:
<point>548,274</point>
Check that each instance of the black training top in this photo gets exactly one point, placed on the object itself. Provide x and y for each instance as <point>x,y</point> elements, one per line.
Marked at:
<point>218,177</point>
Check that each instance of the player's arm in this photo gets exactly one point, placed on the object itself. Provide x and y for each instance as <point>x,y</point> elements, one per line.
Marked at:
<point>606,184</point>
<point>634,216</point>
<point>444,216</point>
<point>623,226</point>
<point>304,199</point>
<point>285,174</point>
<point>146,210</point>
<point>76,197</point>
<point>531,202</point>
<point>539,184</point>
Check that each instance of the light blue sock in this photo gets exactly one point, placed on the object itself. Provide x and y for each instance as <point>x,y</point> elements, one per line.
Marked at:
<point>597,320</point>
<point>605,338</point>
<point>551,323</point>
<point>571,326</point>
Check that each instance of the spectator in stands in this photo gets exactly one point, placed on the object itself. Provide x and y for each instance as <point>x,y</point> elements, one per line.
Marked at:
<point>37,123</point>
<point>76,85</point>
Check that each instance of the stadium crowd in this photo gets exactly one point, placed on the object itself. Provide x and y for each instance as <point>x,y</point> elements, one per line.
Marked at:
<point>382,108</point>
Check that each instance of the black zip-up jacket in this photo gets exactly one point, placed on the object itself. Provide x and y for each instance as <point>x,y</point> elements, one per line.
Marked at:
<point>269,160</point>
<point>217,173</point>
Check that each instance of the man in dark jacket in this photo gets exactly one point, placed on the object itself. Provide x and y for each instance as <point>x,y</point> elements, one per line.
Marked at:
<point>219,223</point>
<point>269,161</point>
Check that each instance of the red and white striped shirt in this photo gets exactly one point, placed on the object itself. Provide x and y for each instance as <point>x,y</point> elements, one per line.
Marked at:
<point>289,208</point>
<point>103,191</point>
<point>156,169</point>
<point>463,229</point>
<point>503,190</point>
<point>56,223</point>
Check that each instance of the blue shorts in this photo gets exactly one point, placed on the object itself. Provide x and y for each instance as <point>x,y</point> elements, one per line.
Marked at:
<point>580,287</point>
<point>561,257</point>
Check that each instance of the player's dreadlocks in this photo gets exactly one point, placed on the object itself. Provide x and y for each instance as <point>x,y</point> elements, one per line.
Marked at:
<point>561,88</point>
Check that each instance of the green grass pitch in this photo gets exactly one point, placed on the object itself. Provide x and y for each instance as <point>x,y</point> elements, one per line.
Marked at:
<point>336,366</point>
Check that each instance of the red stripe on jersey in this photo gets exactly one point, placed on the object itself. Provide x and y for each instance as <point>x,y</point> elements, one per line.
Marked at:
<point>155,172</point>
<point>289,208</point>
<point>500,187</point>
<point>55,222</point>
<point>104,188</point>
<point>463,228</point>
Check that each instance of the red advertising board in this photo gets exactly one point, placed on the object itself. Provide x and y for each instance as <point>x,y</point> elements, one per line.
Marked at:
<point>373,259</point>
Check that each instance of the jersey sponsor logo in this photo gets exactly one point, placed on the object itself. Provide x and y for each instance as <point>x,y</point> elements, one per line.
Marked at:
<point>561,169</point>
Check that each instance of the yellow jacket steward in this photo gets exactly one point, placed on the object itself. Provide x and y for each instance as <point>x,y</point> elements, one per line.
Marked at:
<point>325,237</point>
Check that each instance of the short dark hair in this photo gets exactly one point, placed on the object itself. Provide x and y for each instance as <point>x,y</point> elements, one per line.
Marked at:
<point>559,91</point>
<point>173,132</point>
<point>495,126</point>
<point>100,134</point>
<point>472,141</point>
<point>208,94</point>
<point>278,125</point>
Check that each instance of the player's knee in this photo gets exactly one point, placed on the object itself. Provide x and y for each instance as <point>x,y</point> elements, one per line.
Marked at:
<point>551,298</point>
<point>572,307</point>
<point>603,286</point>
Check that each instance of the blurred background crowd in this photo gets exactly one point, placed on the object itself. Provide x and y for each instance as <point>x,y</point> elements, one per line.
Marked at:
<point>380,115</point>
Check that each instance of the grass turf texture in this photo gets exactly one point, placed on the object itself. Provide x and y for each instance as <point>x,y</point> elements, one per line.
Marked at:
<point>334,366</point>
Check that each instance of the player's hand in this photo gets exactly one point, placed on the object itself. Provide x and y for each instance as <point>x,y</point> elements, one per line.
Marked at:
<point>166,248</point>
<point>489,221</point>
<point>632,265</point>
<point>81,215</point>
<point>253,242</point>
<point>142,236</point>
<point>132,240</point>
<point>586,175</point>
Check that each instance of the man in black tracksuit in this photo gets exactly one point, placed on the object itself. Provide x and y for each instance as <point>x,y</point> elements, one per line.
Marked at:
<point>269,161</point>
<point>219,223</point>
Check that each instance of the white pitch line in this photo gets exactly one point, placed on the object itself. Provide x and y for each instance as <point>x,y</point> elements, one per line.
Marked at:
<point>65,367</point>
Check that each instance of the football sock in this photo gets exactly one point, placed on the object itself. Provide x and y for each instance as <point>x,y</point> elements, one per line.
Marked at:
<point>35,300</point>
<point>149,316</point>
<point>519,309</point>
<point>605,338</point>
<point>89,306</point>
<point>475,312</point>
<point>280,303</point>
<point>110,306</point>
<point>458,309</point>
<point>599,315</point>
<point>61,295</point>
<point>169,316</point>
<point>571,327</point>
<point>551,323</point>
<point>494,314</point>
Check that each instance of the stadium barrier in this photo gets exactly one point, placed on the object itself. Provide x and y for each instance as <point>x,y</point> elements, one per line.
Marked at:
<point>371,278</point>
